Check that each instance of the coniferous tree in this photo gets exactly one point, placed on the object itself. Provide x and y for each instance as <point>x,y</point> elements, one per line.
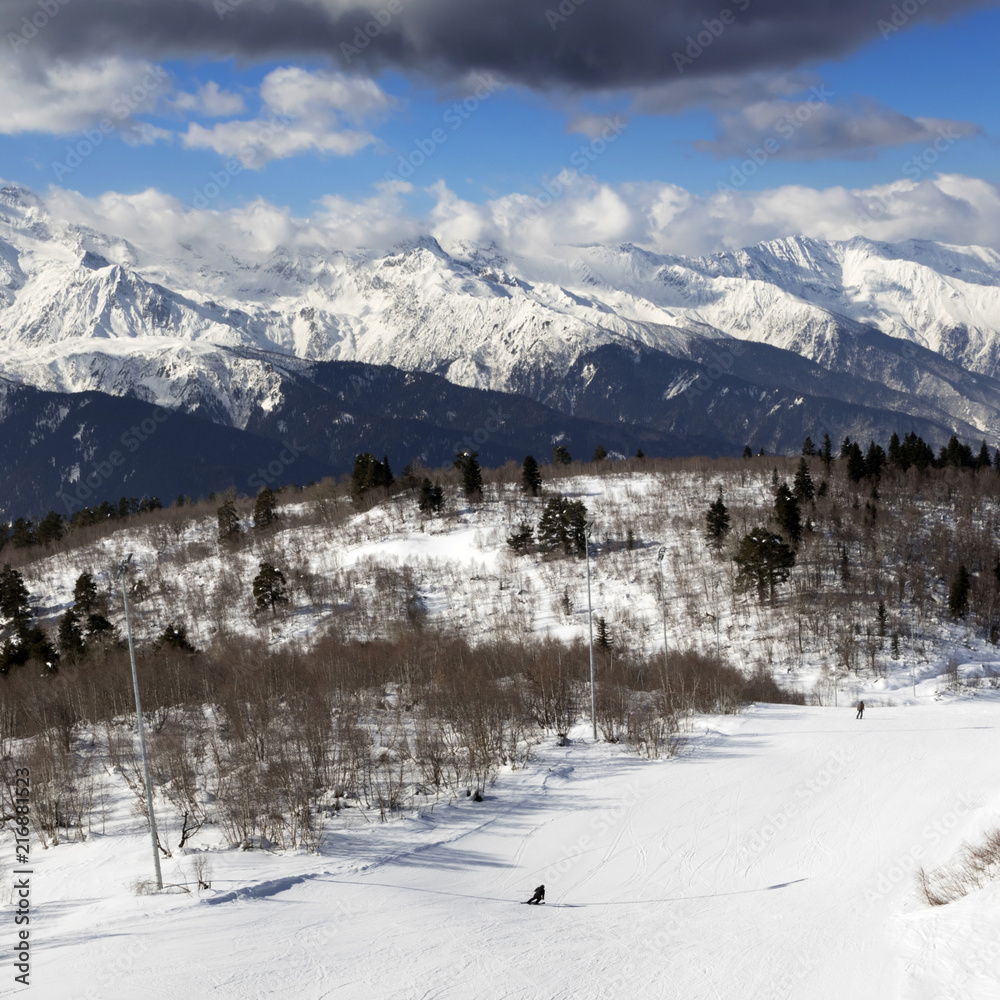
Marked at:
<point>808,448</point>
<point>531,477</point>
<point>70,636</point>
<point>717,521</point>
<point>521,540</point>
<point>786,513</point>
<point>175,636</point>
<point>472,475</point>
<point>15,602</point>
<point>874,461</point>
<point>563,525</point>
<point>269,587</point>
<point>802,486</point>
<point>560,455</point>
<point>229,522</point>
<point>764,560</point>
<point>4,534</point>
<point>600,454</point>
<point>958,592</point>
<point>430,500</point>
<point>85,597</point>
<point>369,474</point>
<point>23,533</point>
<point>100,632</point>
<point>984,461</point>
<point>639,454</point>
<point>826,453</point>
<point>265,509</point>
<point>51,528</point>
<point>747,452</point>
<point>603,634</point>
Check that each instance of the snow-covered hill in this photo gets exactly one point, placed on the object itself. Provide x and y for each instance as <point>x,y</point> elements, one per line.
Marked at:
<point>83,310</point>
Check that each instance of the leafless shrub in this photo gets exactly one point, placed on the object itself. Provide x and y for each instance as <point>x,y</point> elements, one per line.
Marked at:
<point>974,868</point>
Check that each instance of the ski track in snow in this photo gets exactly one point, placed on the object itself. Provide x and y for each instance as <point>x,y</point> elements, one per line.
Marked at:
<point>772,857</point>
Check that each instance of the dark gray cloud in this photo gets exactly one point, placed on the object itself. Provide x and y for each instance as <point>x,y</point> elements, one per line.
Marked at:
<point>580,45</point>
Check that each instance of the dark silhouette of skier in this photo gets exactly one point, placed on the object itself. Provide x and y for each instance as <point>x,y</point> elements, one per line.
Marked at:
<point>539,896</point>
<point>861,710</point>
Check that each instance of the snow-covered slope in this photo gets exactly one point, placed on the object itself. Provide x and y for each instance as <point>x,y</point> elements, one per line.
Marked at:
<point>82,310</point>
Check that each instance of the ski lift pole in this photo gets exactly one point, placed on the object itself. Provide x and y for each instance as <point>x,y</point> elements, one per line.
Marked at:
<point>590,615</point>
<point>122,570</point>
<point>663,613</point>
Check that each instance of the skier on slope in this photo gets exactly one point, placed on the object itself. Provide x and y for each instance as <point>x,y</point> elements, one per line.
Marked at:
<point>539,896</point>
<point>861,710</point>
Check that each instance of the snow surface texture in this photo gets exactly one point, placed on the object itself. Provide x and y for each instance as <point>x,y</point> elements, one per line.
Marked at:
<point>772,858</point>
<point>85,310</point>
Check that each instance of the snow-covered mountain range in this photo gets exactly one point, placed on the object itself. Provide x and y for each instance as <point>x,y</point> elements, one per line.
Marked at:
<point>757,345</point>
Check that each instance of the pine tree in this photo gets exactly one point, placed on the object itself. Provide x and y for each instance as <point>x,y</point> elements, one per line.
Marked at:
<point>808,448</point>
<point>430,500</point>
<point>803,487</point>
<point>15,601</point>
<point>826,454</point>
<point>175,636</point>
<point>531,477</point>
<point>603,634</point>
<point>269,587</point>
<point>747,452</point>
<point>70,636</point>
<point>563,525</point>
<point>265,509</point>
<point>23,533</point>
<point>958,592</point>
<point>786,513</point>
<point>51,528</point>
<point>85,596</point>
<point>521,539</point>
<point>600,454</point>
<point>472,475</point>
<point>639,454</point>
<point>717,521</point>
<point>560,455</point>
<point>764,561</point>
<point>229,522</point>
<point>370,474</point>
<point>983,461</point>
<point>4,534</point>
<point>881,619</point>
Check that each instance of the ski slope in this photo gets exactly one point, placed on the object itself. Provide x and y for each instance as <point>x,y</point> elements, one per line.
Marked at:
<point>772,857</point>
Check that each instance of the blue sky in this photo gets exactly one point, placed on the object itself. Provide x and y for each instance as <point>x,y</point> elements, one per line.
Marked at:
<point>871,115</point>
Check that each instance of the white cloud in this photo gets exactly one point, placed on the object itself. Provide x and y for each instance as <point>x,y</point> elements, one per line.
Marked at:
<point>661,217</point>
<point>62,98</point>
<point>209,101</point>
<point>303,113</point>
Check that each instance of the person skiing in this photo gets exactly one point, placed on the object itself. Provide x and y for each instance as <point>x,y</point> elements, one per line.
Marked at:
<point>538,897</point>
<point>861,710</point>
